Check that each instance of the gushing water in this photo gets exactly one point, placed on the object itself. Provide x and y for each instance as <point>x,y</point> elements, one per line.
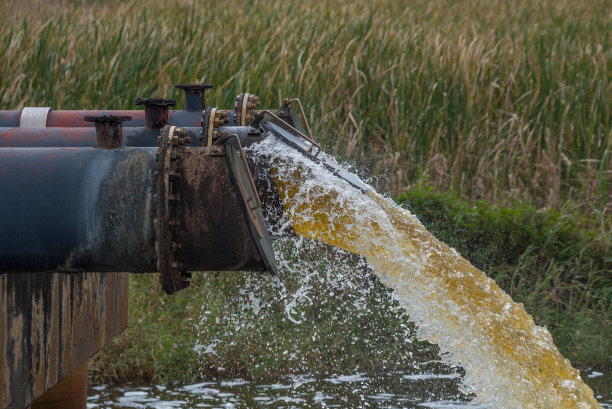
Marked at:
<point>509,361</point>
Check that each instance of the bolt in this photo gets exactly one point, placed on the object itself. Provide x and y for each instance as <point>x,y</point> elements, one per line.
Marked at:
<point>253,101</point>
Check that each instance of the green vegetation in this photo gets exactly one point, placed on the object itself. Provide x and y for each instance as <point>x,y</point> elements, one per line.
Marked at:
<point>507,101</point>
<point>557,265</point>
<point>494,99</point>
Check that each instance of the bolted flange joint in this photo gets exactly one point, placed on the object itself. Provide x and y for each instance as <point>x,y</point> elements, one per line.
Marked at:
<point>244,108</point>
<point>212,119</point>
<point>170,152</point>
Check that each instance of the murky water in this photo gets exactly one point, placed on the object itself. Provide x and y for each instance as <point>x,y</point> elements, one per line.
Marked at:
<point>391,390</point>
<point>388,390</point>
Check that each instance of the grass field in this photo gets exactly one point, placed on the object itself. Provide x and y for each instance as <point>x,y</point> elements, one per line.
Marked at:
<point>507,101</point>
<point>494,99</point>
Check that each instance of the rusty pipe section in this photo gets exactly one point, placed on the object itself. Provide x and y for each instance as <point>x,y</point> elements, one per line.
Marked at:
<point>109,131</point>
<point>154,116</point>
<point>86,137</point>
<point>80,137</point>
<point>76,118</point>
<point>87,209</point>
<point>78,209</point>
<point>195,96</point>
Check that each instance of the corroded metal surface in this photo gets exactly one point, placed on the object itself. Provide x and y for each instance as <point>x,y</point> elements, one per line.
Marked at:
<point>109,131</point>
<point>52,324</point>
<point>194,96</point>
<point>157,113</point>
<point>70,119</point>
<point>170,153</point>
<point>14,137</point>
<point>223,242</point>
<point>81,209</point>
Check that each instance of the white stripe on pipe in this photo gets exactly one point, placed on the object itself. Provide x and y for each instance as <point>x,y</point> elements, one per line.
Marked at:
<point>34,117</point>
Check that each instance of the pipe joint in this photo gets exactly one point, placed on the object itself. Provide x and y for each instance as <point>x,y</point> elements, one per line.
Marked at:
<point>194,96</point>
<point>109,130</point>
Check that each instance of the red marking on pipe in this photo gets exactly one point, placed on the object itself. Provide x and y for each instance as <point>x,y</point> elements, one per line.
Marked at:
<point>76,119</point>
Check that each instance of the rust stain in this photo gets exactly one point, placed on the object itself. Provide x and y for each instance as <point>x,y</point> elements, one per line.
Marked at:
<point>54,339</point>
<point>37,325</point>
<point>52,323</point>
<point>74,119</point>
<point>215,235</point>
<point>15,330</point>
<point>4,368</point>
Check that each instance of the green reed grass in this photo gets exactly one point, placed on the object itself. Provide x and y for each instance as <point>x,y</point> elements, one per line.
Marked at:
<point>494,99</point>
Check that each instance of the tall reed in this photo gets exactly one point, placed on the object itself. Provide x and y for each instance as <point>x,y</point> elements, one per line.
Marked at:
<point>495,99</point>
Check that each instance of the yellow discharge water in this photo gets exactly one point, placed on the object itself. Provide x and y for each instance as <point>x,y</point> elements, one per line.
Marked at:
<point>510,362</point>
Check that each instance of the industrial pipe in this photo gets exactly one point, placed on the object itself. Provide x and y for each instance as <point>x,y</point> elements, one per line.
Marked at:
<point>86,137</point>
<point>61,118</point>
<point>145,199</point>
<point>190,117</point>
<point>86,209</point>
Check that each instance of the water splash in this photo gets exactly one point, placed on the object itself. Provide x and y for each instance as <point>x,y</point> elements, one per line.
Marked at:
<point>322,314</point>
<point>510,362</point>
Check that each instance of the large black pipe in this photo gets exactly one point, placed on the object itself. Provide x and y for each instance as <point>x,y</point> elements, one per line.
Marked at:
<point>76,209</point>
<point>87,209</point>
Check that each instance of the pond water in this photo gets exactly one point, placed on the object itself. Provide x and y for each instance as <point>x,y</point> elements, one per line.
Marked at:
<point>389,390</point>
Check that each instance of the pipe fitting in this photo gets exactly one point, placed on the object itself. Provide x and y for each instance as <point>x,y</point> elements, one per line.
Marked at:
<point>157,113</point>
<point>244,108</point>
<point>194,96</point>
<point>109,130</point>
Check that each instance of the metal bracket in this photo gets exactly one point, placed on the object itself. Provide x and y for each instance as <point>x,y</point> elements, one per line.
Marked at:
<point>287,103</point>
<point>288,134</point>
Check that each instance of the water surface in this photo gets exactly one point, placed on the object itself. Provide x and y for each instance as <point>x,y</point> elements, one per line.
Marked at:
<point>388,390</point>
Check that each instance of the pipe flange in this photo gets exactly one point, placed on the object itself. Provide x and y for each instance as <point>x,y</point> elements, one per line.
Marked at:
<point>170,152</point>
<point>160,102</point>
<point>212,119</point>
<point>194,95</point>
<point>244,108</point>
